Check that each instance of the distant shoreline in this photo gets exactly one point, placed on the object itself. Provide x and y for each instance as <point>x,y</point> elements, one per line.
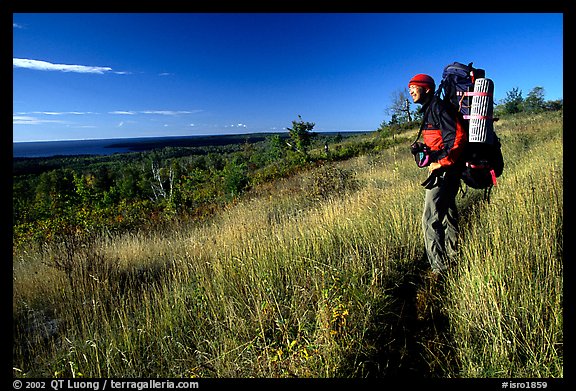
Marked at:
<point>47,149</point>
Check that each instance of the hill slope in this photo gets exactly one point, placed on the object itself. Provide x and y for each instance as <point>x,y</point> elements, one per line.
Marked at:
<point>315,275</point>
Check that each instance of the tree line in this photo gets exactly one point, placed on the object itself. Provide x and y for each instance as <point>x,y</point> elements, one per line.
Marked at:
<point>533,103</point>
<point>56,197</point>
<point>403,115</point>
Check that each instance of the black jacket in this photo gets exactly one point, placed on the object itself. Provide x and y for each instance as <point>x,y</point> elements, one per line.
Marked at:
<point>444,132</point>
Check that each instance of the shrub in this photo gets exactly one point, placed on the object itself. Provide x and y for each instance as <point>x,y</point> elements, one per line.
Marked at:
<point>330,181</point>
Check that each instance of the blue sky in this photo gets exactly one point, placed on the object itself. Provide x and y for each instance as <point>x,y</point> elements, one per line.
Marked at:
<point>104,75</point>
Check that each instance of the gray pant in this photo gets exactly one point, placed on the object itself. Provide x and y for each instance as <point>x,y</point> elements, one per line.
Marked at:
<point>440,221</point>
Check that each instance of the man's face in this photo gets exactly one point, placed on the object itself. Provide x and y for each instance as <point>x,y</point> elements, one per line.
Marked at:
<point>417,93</point>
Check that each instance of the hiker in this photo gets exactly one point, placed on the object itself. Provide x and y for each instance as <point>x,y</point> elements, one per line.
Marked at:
<point>444,137</point>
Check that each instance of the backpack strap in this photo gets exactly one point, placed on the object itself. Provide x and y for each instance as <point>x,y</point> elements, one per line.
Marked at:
<point>476,117</point>
<point>473,93</point>
<point>487,192</point>
<point>421,129</point>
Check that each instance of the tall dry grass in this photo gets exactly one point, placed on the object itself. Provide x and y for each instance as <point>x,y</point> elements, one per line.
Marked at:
<point>297,281</point>
<point>506,294</point>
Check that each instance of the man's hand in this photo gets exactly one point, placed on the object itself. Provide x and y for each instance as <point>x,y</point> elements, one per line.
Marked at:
<point>433,166</point>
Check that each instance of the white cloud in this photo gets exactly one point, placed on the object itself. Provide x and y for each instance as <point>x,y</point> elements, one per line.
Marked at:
<point>120,112</point>
<point>17,26</point>
<point>19,119</point>
<point>169,112</point>
<point>156,112</point>
<point>60,112</point>
<point>48,66</point>
<point>236,126</point>
<point>28,120</point>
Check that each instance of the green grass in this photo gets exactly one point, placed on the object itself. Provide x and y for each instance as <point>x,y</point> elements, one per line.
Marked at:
<point>301,277</point>
<point>506,294</point>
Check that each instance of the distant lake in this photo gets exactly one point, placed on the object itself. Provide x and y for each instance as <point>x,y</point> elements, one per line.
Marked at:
<point>111,146</point>
<point>72,147</point>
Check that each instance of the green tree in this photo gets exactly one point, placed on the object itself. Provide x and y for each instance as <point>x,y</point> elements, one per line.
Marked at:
<point>534,102</point>
<point>55,190</point>
<point>84,188</point>
<point>513,103</point>
<point>554,105</point>
<point>300,134</point>
<point>127,182</point>
<point>103,179</point>
<point>275,148</point>
<point>214,162</point>
<point>235,176</point>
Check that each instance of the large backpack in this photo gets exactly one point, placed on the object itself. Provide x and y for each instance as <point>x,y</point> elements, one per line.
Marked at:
<point>467,90</point>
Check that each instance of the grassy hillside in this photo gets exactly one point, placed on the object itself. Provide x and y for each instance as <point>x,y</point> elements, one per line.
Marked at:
<point>315,275</point>
<point>506,295</point>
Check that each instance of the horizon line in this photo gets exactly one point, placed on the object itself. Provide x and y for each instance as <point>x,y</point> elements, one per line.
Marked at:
<point>183,135</point>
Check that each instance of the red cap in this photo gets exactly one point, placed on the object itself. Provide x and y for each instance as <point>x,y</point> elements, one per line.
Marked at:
<point>422,80</point>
